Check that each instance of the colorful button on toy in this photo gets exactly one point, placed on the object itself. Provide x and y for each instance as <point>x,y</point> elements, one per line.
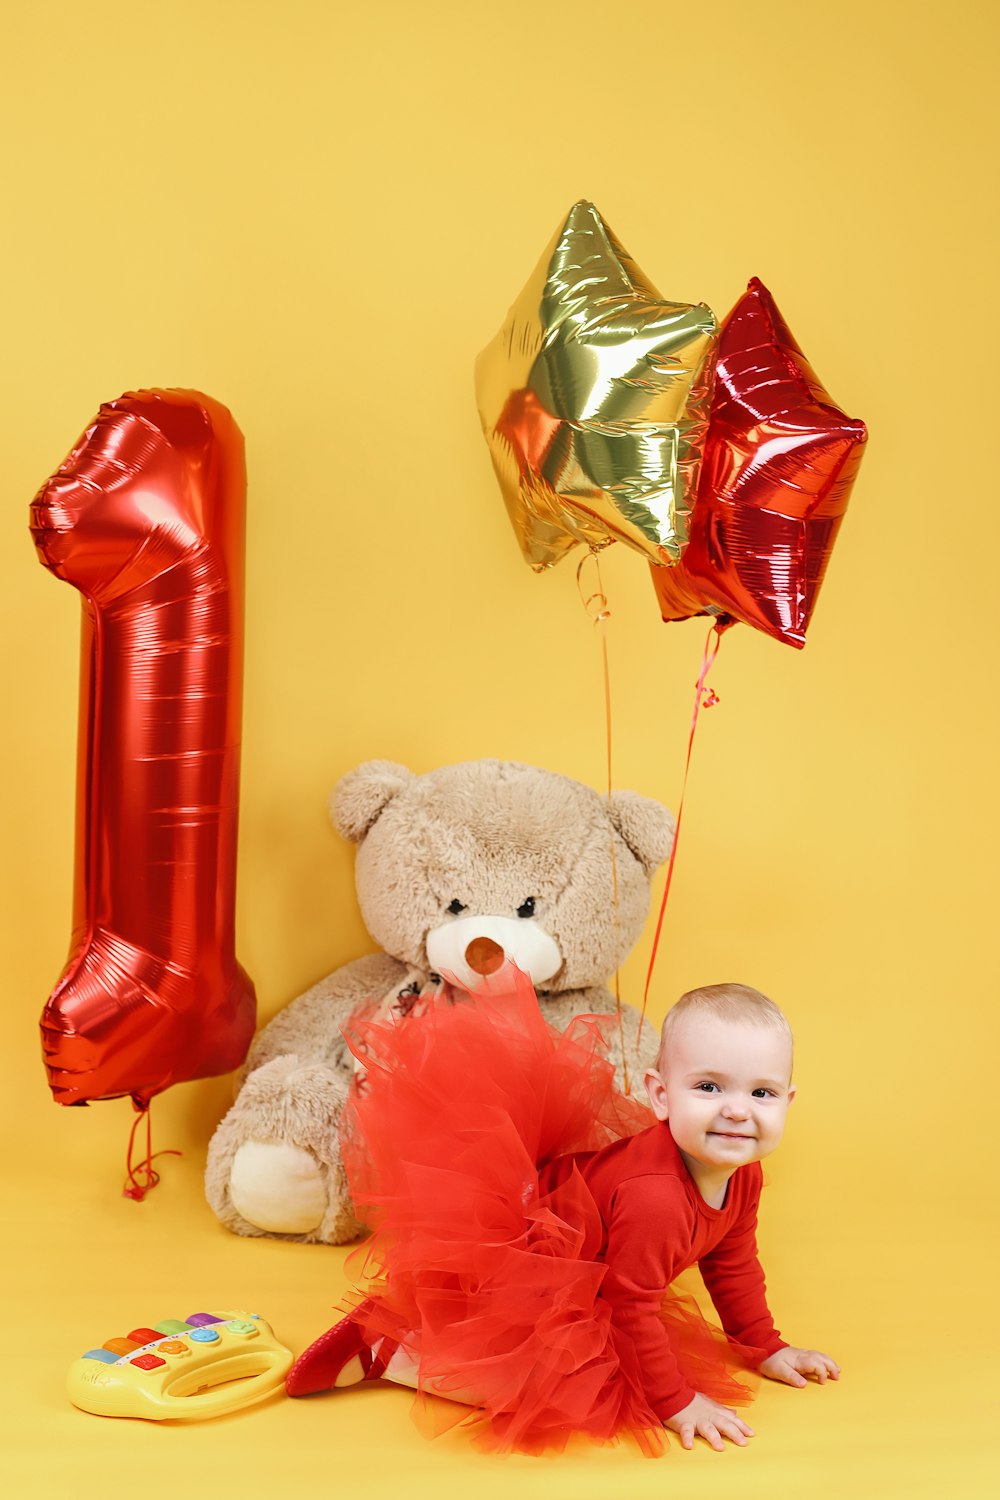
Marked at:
<point>147,1362</point>
<point>203,1336</point>
<point>173,1346</point>
<point>145,1335</point>
<point>243,1328</point>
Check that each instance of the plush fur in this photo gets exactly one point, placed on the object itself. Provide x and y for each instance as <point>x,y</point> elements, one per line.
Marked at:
<point>488,851</point>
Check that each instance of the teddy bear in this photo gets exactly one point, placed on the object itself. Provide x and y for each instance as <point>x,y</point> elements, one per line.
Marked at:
<point>459,872</point>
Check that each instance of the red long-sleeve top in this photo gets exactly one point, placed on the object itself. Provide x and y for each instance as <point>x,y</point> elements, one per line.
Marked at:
<point>657,1225</point>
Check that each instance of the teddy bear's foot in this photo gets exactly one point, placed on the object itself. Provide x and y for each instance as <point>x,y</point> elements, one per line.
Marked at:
<point>274,1164</point>
<point>278,1187</point>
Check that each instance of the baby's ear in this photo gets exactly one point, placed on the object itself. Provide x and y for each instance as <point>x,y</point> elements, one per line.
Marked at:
<point>646,826</point>
<point>657,1091</point>
<point>360,797</point>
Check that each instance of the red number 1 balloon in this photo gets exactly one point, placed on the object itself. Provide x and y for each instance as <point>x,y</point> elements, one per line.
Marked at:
<point>146,518</point>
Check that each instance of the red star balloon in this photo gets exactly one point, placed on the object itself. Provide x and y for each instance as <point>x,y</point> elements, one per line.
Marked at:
<point>779,463</point>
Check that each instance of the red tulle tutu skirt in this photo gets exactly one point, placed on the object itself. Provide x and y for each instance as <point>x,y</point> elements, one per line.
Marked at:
<point>484,1259</point>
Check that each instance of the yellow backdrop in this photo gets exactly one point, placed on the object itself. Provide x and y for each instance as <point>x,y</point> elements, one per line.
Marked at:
<point>319,213</point>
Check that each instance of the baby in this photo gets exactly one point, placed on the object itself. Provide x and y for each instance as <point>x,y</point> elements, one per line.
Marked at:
<point>678,1193</point>
<point>722,1085</point>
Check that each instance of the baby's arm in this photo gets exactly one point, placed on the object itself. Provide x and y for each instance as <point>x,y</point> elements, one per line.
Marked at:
<point>643,1223</point>
<point>646,1235</point>
<point>735,1281</point>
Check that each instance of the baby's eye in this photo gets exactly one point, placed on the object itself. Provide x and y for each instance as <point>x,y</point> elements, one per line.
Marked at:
<point>764,1094</point>
<point>527,908</point>
<point>454,907</point>
<point>708,1088</point>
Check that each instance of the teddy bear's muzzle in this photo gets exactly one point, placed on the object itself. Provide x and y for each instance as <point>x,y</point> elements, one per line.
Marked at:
<point>477,946</point>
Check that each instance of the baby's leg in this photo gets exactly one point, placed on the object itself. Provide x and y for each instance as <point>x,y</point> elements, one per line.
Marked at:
<point>403,1368</point>
<point>343,1357</point>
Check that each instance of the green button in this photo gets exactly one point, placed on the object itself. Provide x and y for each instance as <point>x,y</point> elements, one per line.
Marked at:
<point>242,1327</point>
<point>171,1325</point>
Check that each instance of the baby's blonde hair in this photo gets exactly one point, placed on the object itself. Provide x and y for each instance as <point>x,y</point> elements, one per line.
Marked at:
<point>729,1002</point>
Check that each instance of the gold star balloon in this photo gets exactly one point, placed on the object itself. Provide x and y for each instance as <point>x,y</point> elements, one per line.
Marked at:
<point>594,401</point>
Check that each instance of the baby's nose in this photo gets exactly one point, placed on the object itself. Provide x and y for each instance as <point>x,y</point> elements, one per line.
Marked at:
<point>736,1109</point>
<point>484,956</point>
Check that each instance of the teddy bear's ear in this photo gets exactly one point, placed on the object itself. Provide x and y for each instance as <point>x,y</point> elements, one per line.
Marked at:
<point>646,826</point>
<point>360,797</point>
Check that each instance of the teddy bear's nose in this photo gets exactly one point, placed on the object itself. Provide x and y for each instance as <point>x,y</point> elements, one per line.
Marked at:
<point>484,956</point>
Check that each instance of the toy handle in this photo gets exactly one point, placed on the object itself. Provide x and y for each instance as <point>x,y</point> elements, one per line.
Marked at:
<point>233,1384</point>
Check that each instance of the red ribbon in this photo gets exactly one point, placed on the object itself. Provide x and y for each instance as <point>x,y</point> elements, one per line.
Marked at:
<point>703,698</point>
<point>142,1176</point>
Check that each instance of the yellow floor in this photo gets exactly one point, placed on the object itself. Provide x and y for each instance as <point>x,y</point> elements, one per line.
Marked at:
<point>914,1415</point>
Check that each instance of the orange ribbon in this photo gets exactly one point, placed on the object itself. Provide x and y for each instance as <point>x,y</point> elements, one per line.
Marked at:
<point>596,605</point>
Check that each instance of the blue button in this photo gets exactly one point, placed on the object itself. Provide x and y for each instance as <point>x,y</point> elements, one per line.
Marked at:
<point>203,1336</point>
<point>104,1355</point>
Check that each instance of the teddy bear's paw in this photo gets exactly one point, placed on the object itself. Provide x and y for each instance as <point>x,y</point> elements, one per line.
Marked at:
<point>278,1187</point>
<point>274,1164</point>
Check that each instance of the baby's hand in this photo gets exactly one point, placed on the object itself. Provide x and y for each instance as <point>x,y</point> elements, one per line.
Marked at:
<point>704,1418</point>
<point>793,1365</point>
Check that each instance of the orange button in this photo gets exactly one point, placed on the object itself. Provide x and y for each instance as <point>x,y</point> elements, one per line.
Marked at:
<point>122,1346</point>
<point>173,1346</point>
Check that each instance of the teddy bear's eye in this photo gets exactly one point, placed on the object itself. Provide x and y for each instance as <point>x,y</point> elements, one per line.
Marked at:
<point>454,907</point>
<point>527,908</point>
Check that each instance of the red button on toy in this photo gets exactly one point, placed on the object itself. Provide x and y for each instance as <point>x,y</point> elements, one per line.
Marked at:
<point>147,1362</point>
<point>145,1335</point>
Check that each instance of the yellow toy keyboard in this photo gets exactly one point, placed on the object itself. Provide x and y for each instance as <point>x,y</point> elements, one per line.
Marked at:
<point>209,1364</point>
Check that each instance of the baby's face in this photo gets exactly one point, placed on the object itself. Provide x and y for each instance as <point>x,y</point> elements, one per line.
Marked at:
<point>724,1088</point>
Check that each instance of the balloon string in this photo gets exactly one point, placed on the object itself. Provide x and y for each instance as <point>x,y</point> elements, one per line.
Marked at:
<point>142,1176</point>
<point>702,699</point>
<point>596,605</point>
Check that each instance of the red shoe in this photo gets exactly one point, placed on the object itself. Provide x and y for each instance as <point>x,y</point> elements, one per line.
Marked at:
<point>340,1357</point>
